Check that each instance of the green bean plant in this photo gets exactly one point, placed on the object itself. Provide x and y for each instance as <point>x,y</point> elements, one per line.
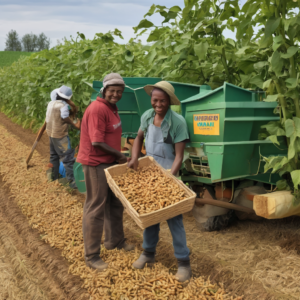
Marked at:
<point>190,45</point>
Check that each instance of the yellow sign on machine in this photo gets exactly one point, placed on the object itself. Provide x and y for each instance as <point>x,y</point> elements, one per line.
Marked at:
<point>207,124</point>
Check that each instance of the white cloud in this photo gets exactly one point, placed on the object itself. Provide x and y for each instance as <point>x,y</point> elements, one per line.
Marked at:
<point>59,19</point>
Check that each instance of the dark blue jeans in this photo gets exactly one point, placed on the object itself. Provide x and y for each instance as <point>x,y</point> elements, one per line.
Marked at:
<point>176,227</point>
<point>59,150</point>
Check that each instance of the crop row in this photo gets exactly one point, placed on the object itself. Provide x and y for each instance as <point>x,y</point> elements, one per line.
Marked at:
<point>189,46</point>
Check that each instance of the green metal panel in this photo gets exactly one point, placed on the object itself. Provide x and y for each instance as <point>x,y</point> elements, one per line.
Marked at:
<point>79,177</point>
<point>266,178</point>
<point>185,90</point>
<point>94,96</point>
<point>231,152</point>
<point>225,123</point>
<point>143,100</point>
<point>130,121</point>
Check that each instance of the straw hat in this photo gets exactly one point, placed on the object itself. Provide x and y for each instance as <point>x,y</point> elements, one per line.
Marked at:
<point>166,87</point>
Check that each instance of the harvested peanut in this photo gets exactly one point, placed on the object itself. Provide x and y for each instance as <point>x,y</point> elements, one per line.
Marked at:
<point>149,189</point>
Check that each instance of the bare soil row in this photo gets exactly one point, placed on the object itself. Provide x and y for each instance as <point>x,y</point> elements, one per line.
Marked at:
<point>256,259</point>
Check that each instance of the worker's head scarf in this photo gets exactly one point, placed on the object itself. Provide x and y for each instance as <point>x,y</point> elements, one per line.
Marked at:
<point>112,79</point>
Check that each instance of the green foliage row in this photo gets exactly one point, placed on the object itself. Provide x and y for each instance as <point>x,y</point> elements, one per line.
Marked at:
<point>189,46</point>
<point>8,57</point>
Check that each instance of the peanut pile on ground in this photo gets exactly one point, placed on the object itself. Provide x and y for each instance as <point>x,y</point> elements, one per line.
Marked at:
<point>149,189</point>
<point>57,215</point>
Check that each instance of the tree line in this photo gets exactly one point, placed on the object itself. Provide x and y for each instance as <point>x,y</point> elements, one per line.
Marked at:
<point>29,42</point>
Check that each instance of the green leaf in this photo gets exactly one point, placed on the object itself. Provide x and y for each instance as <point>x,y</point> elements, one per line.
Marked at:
<point>152,55</point>
<point>267,83</point>
<point>281,184</point>
<point>187,36</point>
<point>150,11</point>
<point>180,47</point>
<point>201,50</point>
<point>271,162</point>
<point>277,42</point>
<point>118,33</point>
<point>274,128</point>
<point>271,26</point>
<point>198,26</point>
<point>266,42</point>
<point>129,55</point>
<point>87,53</point>
<point>82,36</point>
<point>291,83</point>
<point>297,145</point>
<point>271,98</point>
<point>291,150</point>
<point>291,51</point>
<point>143,24</point>
<point>175,8</point>
<point>242,50</point>
<point>260,65</point>
<point>289,127</point>
<point>241,27</point>
<point>256,80</point>
<point>86,101</point>
<point>246,66</point>
<point>277,166</point>
<point>296,178</point>
<point>154,35</point>
<point>287,168</point>
<point>292,127</point>
<point>175,57</point>
<point>276,63</point>
<point>273,139</point>
<point>287,23</point>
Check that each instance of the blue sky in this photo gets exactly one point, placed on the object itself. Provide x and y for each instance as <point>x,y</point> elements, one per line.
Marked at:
<point>59,19</point>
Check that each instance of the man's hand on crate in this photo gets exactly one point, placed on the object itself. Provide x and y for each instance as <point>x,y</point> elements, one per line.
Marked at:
<point>133,164</point>
<point>122,159</point>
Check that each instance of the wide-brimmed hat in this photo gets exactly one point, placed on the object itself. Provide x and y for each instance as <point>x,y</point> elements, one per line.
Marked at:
<point>65,92</point>
<point>166,87</point>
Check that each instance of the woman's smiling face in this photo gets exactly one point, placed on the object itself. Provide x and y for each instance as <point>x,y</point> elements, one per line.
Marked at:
<point>113,93</point>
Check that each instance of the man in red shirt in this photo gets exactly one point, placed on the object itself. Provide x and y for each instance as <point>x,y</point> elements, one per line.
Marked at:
<point>100,146</point>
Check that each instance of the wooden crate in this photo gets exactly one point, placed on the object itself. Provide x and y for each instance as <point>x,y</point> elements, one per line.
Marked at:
<point>163,214</point>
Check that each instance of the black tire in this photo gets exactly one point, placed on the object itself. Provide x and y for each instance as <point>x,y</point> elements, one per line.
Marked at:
<point>219,222</point>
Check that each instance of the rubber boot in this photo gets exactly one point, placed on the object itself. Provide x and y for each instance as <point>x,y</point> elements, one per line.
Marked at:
<point>96,263</point>
<point>145,258</point>
<point>73,185</point>
<point>127,247</point>
<point>184,271</point>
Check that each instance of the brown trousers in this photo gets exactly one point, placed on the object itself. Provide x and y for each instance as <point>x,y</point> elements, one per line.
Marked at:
<point>102,209</point>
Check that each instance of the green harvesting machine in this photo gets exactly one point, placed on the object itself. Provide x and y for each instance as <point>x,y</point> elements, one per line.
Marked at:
<point>224,155</point>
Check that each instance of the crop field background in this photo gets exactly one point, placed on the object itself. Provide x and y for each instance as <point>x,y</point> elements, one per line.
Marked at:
<point>190,46</point>
<point>8,57</point>
<point>40,222</point>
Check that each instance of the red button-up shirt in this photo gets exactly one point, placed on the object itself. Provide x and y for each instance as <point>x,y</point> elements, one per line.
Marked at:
<point>100,124</point>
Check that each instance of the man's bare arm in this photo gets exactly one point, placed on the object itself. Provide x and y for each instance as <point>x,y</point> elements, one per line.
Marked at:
<point>179,150</point>
<point>136,150</point>
<point>120,157</point>
<point>69,121</point>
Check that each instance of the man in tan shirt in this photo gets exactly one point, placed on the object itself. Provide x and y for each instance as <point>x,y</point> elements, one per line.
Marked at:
<point>57,121</point>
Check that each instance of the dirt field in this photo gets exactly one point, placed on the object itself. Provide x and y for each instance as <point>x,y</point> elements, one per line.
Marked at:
<point>257,260</point>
